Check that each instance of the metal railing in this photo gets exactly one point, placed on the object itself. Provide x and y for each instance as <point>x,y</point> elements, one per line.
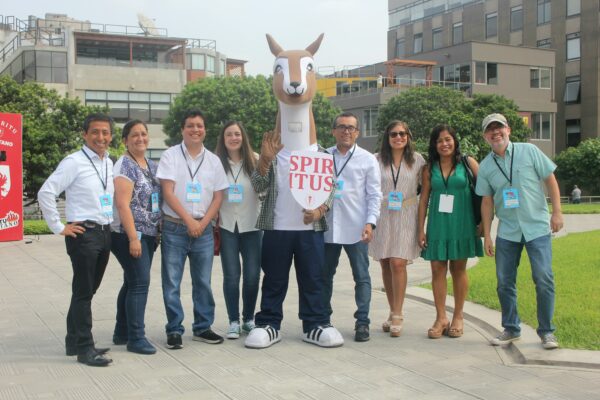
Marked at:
<point>584,199</point>
<point>201,44</point>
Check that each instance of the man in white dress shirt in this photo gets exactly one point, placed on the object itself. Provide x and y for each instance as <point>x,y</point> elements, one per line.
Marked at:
<point>352,217</point>
<point>86,177</point>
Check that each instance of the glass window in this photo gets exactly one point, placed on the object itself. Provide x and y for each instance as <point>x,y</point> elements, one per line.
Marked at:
<point>158,112</point>
<point>516,18</point>
<point>543,12</point>
<point>196,61</point>
<point>437,38</point>
<point>400,48</point>
<point>28,59</point>
<point>491,25</point>
<point>160,98</point>
<point>534,78</point>
<point>492,73</point>
<point>457,33</point>
<point>210,63</point>
<point>418,43</point>
<point>369,121</point>
<point>573,47</point>
<point>573,7</point>
<point>139,97</point>
<point>119,111</point>
<point>43,58</point>
<point>572,90</point>
<point>541,126</point>
<point>222,71</point>
<point>480,72</point>
<point>122,96</point>
<point>545,78</point>
<point>59,60</point>
<point>139,111</point>
<point>59,75</point>
<point>43,74</point>
<point>95,95</point>
<point>573,132</point>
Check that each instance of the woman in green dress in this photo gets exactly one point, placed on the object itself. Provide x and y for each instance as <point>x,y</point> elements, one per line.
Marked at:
<point>452,236</point>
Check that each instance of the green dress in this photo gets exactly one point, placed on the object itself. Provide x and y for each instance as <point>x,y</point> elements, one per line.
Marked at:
<point>451,236</point>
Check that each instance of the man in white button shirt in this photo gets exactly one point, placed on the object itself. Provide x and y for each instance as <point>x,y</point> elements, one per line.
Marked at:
<point>86,177</point>
<point>193,184</point>
<point>352,217</point>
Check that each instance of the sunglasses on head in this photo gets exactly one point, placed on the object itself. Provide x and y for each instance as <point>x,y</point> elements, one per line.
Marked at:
<point>402,134</point>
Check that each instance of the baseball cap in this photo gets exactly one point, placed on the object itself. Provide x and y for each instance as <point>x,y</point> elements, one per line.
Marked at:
<point>493,118</point>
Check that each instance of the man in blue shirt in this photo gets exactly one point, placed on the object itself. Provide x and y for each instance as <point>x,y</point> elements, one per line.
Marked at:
<point>510,180</point>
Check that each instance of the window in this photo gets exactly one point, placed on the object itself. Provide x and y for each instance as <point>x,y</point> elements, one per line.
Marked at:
<point>544,43</point>
<point>573,7</point>
<point>543,12</point>
<point>369,121</point>
<point>573,47</point>
<point>148,107</point>
<point>222,67</point>
<point>418,43</point>
<point>437,38</point>
<point>539,78</point>
<point>195,61</point>
<point>516,18</point>
<point>542,126</point>
<point>573,132</point>
<point>491,25</point>
<point>572,90</point>
<point>400,48</point>
<point>486,73</point>
<point>210,63</point>
<point>40,66</point>
<point>457,33</point>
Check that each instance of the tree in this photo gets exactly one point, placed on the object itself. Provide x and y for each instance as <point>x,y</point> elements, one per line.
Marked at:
<point>249,100</point>
<point>579,166</point>
<point>52,127</point>
<point>423,108</point>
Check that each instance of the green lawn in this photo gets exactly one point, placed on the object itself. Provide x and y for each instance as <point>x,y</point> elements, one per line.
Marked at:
<point>576,265</point>
<point>584,208</point>
<point>36,227</point>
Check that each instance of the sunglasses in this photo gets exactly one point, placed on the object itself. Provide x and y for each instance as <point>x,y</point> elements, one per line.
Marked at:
<point>402,134</point>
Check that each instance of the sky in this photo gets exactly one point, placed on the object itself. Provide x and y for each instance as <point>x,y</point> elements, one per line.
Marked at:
<point>355,30</point>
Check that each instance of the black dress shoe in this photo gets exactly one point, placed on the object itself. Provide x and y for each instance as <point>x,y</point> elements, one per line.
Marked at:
<point>93,359</point>
<point>72,351</point>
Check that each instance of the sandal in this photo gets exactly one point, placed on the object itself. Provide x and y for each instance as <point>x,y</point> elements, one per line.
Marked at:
<point>454,332</point>
<point>437,330</point>
<point>396,325</point>
<point>386,324</point>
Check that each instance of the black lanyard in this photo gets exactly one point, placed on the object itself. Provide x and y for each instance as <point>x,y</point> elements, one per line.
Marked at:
<point>149,170</point>
<point>395,178</point>
<point>343,166</point>
<point>445,180</point>
<point>105,181</point>
<point>235,178</point>
<point>512,158</point>
<point>188,166</point>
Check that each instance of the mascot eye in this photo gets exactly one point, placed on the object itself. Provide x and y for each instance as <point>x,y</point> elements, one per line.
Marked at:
<point>309,67</point>
<point>278,68</point>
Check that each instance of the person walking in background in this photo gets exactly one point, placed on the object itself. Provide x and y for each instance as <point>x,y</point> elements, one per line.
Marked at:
<point>352,217</point>
<point>395,241</point>
<point>193,184</point>
<point>238,215</point>
<point>510,180</point>
<point>576,195</point>
<point>86,177</point>
<point>135,232</point>
<point>451,236</point>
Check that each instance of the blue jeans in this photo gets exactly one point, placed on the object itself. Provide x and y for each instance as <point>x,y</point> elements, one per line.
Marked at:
<point>508,256</point>
<point>131,302</point>
<point>176,246</point>
<point>359,262</point>
<point>248,245</point>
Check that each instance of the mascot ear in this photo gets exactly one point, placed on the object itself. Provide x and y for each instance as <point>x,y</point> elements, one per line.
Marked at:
<point>274,46</point>
<point>314,46</point>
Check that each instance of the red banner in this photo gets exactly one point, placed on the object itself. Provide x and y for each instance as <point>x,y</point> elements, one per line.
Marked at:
<point>11,177</point>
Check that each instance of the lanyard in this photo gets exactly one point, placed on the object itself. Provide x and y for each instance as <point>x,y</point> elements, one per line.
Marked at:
<point>149,170</point>
<point>188,166</point>
<point>445,180</point>
<point>343,166</point>
<point>395,178</point>
<point>512,158</point>
<point>235,177</point>
<point>105,181</point>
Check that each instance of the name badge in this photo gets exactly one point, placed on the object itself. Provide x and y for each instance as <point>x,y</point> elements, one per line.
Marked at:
<point>446,203</point>
<point>106,204</point>
<point>235,194</point>
<point>339,188</point>
<point>155,202</point>
<point>511,198</point>
<point>139,235</point>
<point>193,192</point>
<point>395,201</point>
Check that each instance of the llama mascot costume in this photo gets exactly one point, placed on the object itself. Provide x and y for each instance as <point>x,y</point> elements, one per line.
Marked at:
<point>293,221</point>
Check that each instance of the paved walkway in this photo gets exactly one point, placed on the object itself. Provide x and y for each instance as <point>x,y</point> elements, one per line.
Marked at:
<point>34,295</point>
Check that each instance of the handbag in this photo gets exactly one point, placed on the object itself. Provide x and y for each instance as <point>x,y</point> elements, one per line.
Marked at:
<point>217,237</point>
<point>475,198</point>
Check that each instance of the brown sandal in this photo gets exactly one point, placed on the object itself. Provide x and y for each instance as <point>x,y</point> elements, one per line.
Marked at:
<point>395,327</point>
<point>454,332</point>
<point>437,330</point>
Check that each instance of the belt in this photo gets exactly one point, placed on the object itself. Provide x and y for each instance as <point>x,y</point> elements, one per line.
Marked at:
<point>176,220</point>
<point>87,224</point>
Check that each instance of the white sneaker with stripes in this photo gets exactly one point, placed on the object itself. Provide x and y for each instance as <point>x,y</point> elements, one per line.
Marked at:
<point>262,337</point>
<point>324,336</point>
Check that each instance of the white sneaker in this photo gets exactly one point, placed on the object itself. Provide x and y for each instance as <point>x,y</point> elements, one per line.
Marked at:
<point>234,330</point>
<point>248,326</point>
<point>262,337</point>
<point>324,336</point>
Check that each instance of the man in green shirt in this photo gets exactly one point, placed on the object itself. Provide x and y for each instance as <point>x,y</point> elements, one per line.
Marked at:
<point>510,181</point>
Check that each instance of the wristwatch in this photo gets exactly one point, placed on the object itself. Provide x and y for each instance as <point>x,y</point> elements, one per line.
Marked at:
<point>373,226</point>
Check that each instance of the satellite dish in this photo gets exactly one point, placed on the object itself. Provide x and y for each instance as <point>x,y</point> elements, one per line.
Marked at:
<point>147,25</point>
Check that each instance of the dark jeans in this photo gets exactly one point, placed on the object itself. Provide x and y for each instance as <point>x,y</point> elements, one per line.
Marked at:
<point>131,302</point>
<point>234,244</point>
<point>306,249</point>
<point>89,254</point>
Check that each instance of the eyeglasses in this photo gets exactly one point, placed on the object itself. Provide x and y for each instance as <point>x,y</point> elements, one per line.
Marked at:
<point>343,128</point>
<point>402,134</point>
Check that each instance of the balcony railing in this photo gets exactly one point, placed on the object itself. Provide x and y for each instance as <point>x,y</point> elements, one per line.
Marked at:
<point>113,62</point>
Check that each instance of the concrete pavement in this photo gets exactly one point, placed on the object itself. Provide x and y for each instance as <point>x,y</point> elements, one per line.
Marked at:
<point>34,295</point>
